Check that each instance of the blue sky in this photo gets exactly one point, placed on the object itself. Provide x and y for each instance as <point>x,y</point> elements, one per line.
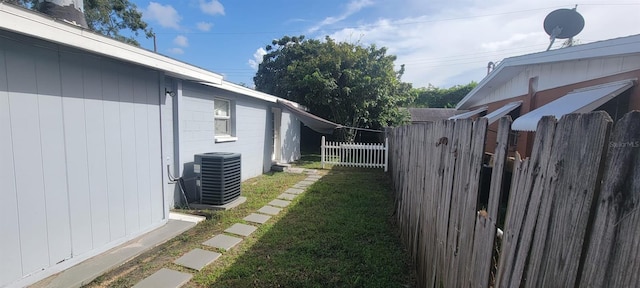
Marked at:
<point>441,42</point>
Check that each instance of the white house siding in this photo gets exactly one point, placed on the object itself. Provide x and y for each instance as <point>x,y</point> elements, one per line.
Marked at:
<point>251,125</point>
<point>557,74</point>
<point>81,155</point>
<point>290,135</point>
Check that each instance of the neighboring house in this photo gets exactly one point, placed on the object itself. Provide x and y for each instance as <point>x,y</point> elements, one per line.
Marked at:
<point>90,129</point>
<point>590,77</point>
<point>420,115</point>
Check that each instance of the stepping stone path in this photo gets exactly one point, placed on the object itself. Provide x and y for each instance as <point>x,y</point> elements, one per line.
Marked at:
<point>241,229</point>
<point>257,218</point>
<point>287,196</point>
<point>224,242</point>
<point>296,191</point>
<point>197,259</point>
<point>164,278</point>
<point>269,210</point>
<point>279,203</point>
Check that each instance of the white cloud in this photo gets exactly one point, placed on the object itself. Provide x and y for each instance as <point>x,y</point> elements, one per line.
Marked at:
<point>257,58</point>
<point>453,45</point>
<point>212,7</point>
<point>181,41</point>
<point>176,51</point>
<point>204,26</point>
<point>352,7</point>
<point>165,15</point>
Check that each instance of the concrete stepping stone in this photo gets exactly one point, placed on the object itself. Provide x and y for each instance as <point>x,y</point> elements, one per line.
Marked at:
<point>196,259</point>
<point>241,229</point>
<point>296,191</point>
<point>279,203</point>
<point>165,278</point>
<point>222,241</point>
<point>306,182</point>
<point>257,218</point>
<point>269,210</point>
<point>312,180</point>
<point>316,177</point>
<point>300,186</point>
<point>287,196</point>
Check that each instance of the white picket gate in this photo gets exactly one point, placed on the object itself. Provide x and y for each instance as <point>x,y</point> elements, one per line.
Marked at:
<point>366,155</point>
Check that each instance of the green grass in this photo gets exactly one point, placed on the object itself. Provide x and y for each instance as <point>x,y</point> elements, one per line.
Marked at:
<point>339,234</point>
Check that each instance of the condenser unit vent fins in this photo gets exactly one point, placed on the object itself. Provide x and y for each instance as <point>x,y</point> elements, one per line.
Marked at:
<point>218,178</point>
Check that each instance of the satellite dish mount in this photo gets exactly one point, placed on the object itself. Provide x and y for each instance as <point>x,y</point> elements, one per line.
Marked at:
<point>563,24</point>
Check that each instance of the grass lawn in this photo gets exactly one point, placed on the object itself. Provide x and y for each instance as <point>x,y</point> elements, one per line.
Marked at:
<point>339,234</point>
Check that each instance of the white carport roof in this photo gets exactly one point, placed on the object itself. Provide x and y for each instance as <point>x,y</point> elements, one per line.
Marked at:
<point>577,101</point>
<point>504,110</point>
<point>469,114</point>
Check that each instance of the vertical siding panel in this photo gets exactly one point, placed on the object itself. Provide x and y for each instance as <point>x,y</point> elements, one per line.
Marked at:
<point>128,136</point>
<point>113,151</point>
<point>142,147</point>
<point>53,156</point>
<point>155,153</point>
<point>94,117</point>
<point>76,152</point>
<point>11,264</point>
<point>25,130</point>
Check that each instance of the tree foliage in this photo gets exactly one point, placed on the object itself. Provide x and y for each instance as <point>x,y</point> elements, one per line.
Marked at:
<point>349,84</point>
<point>434,97</point>
<point>108,17</point>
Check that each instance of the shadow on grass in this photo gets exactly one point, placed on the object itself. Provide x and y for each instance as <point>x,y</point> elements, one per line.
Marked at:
<point>339,233</point>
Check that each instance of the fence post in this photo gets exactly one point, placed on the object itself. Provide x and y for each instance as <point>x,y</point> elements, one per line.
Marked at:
<point>322,152</point>
<point>386,154</point>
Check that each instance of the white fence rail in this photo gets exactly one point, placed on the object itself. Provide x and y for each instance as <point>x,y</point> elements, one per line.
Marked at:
<point>366,155</point>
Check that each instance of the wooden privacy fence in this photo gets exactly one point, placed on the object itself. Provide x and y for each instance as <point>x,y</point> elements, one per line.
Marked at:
<point>572,214</point>
<point>366,155</point>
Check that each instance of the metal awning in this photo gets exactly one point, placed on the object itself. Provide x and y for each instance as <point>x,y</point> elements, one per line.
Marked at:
<point>469,114</point>
<point>577,101</point>
<point>312,121</point>
<point>504,110</point>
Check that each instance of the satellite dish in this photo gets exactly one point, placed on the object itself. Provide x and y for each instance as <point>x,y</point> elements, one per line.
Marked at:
<point>563,24</point>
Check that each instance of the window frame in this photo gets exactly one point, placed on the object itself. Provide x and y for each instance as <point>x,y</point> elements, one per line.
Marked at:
<point>229,135</point>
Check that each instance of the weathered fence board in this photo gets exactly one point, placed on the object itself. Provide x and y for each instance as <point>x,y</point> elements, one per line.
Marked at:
<point>613,255</point>
<point>572,211</point>
<point>485,229</point>
<point>462,146</point>
<point>579,144</point>
<point>532,191</point>
<point>447,149</point>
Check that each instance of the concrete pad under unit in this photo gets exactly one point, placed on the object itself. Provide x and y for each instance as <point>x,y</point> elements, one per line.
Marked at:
<point>164,278</point>
<point>287,196</point>
<point>269,210</point>
<point>196,259</point>
<point>90,269</point>
<point>222,241</point>
<point>257,218</point>
<point>228,206</point>
<point>241,229</point>
<point>279,203</point>
<point>296,191</point>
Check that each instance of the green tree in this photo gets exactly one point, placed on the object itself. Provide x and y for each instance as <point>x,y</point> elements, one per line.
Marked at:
<point>349,84</point>
<point>108,17</point>
<point>434,97</point>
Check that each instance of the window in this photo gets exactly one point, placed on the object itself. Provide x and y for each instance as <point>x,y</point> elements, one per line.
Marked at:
<point>222,120</point>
